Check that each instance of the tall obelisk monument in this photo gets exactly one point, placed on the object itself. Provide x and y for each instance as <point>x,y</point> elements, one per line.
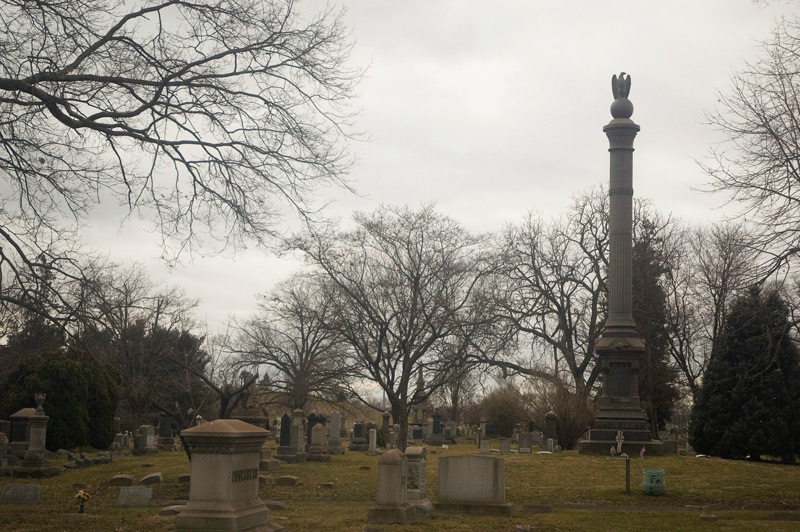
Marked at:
<point>620,420</point>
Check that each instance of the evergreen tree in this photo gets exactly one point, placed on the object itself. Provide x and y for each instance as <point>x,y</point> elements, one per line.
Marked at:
<point>656,376</point>
<point>750,396</point>
<point>81,397</point>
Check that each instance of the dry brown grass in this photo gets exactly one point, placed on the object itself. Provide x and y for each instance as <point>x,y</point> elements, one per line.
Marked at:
<point>586,493</point>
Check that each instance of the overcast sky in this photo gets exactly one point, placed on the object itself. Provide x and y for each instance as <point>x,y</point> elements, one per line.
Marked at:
<point>495,108</point>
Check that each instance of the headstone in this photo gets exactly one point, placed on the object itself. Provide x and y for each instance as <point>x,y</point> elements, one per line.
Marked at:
<point>314,419</point>
<point>122,440</point>
<point>287,480</point>
<point>417,487</point>
<point>318,450</point>
<point>436,436</point>
<point>417,471</point>
<point>134,497</point>
<point>152,479</point>
<point>36,461</point>
<point>21,494</point>
<point>373,442</point>
<point>492,430</point>
<point>121,480</point>
<point>297,437</point>
<point>144,442</point>
<point>450,431</point>
<point>285,438</point>
<point>223,488</point>
<point>417,433</point>
<point>525,442</point>
<point>396,435</point>
<point>359,440</point>
<point>166,440</point>
<point>392,505</point>
<point>485,446</point>
<point>266,461</point>
<point>20,426</point>
<point>300,432</point>
<point>550,445</point>
<point>334,431</point>
<point>472,484</point>
<point>385,427</point>
<point>505,445</point>
<point>482,428</point>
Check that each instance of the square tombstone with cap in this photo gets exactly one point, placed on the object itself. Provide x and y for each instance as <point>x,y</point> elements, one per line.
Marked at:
<point>223,490</point>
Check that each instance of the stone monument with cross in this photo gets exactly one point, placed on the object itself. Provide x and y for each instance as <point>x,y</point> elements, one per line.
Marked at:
<point>620,348</point>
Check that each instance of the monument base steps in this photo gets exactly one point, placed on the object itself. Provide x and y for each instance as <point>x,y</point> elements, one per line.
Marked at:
<point>403,514</point>
<point>632,448</point>
<point>250,515</point>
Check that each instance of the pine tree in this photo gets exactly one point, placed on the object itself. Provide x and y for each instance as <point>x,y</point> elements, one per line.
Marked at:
<point>656,377</point>
<point>748,404</point>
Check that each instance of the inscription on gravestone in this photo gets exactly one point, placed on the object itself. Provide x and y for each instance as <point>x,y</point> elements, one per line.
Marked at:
<point>22,494</point>
<point>619,381</point>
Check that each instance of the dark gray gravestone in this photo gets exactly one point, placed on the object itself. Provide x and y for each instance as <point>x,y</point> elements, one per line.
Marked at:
<point>550,426</point>
<point>385,425</point>
<point>134,497</point>
<point>22,494</point>
<point>437,423</point>
<point>359,431</point>
<point>492,431</point>
<point>165,426</point>
<point>286,430</point>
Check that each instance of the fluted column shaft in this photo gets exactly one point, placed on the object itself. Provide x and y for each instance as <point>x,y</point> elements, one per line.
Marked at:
<point>621,133</point>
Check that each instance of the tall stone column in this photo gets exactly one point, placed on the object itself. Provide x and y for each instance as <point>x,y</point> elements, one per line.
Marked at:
<point>620,348</point>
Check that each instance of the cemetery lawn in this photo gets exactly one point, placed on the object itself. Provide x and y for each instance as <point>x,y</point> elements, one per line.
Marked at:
<point>559,492</point>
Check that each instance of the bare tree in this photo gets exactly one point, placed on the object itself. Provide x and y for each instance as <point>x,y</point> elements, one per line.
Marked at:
<point>289,342</point>
<point>712,266</point>
<point>228,383</point>
<point>143,330</point>
<point>407,284</point>
<point>758,163</point>
<point>554,293</point>
<point>208,119</point>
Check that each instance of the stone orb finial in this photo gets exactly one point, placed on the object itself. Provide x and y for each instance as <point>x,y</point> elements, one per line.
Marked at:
<point>621,87</point>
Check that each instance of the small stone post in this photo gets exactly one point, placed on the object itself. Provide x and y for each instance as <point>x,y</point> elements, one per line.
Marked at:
<point>373,441</point>
<point>334,430</point>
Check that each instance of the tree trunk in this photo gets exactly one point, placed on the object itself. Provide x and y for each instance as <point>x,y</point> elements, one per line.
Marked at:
<point>400,417</point>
